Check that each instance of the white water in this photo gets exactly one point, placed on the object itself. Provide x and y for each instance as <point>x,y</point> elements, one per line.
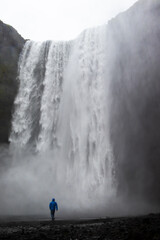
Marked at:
<point>60,128</point>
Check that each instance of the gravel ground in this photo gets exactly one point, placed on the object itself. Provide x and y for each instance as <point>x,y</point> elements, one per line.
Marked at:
<point>131,228</point>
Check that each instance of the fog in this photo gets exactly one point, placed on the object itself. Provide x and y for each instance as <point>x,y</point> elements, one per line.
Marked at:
<point>87,131</point>
<point>135,105</point>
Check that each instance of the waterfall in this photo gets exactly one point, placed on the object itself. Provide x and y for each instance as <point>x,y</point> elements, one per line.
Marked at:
<point>61,115</point>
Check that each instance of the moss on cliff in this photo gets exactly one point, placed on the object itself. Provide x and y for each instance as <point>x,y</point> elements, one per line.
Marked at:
<point>7,93</point>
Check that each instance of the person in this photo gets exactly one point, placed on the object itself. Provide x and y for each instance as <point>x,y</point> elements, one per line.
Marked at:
<point>53,206</point>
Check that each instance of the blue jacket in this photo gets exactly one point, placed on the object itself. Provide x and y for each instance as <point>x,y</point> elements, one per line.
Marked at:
<point>53,205</point>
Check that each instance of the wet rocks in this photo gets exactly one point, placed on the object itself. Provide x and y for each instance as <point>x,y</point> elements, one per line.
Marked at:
<point>128,228</point>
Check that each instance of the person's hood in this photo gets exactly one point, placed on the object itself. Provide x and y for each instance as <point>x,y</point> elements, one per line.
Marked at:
<point>53,199</point>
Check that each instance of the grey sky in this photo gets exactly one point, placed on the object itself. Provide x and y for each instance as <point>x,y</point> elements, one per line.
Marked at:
<point>58,19</point>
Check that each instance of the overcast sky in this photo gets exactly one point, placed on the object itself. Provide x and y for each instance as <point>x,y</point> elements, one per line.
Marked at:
<point>58,19</point>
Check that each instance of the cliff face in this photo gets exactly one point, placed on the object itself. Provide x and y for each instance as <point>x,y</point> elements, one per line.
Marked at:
<point>11,44</point>
<point>135,100</point>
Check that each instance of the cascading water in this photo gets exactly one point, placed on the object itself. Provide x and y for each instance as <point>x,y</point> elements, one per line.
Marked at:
<point>61,119</point>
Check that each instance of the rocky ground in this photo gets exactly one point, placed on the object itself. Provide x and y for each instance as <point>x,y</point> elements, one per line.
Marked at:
<point>132,228</point>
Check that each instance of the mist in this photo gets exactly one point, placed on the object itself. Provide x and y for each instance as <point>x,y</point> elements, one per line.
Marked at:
<point>86,131</point>
<point>135,102</point>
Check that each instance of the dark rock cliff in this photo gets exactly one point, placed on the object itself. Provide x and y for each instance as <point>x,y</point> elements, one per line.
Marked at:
<point>11,44</point>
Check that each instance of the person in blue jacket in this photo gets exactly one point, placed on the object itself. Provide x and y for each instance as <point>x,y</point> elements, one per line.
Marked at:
<point>53,206</point>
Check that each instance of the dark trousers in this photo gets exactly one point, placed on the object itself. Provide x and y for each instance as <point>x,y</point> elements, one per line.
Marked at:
<point>52,214</point>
